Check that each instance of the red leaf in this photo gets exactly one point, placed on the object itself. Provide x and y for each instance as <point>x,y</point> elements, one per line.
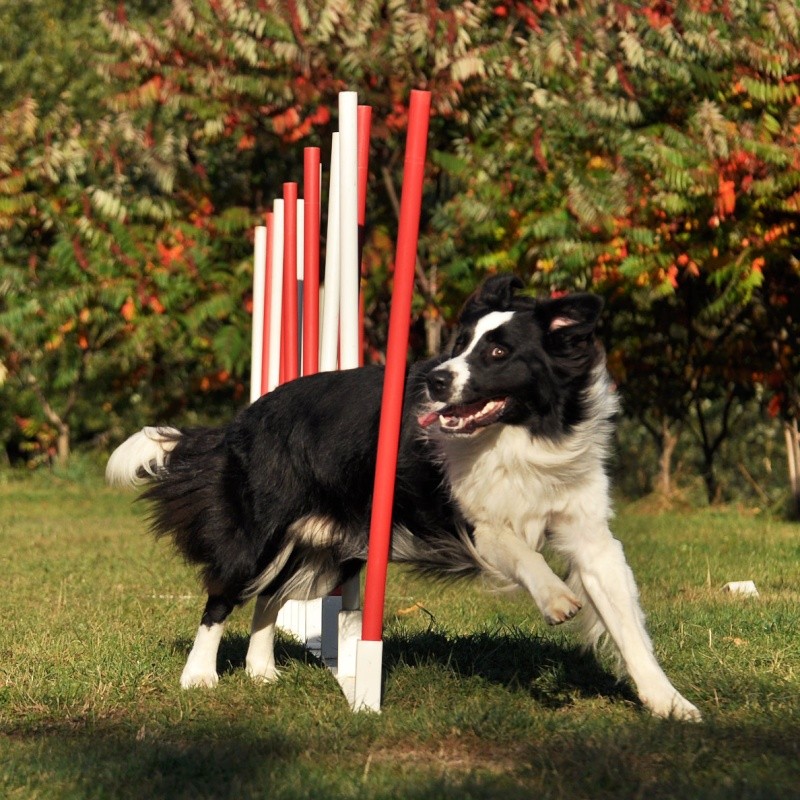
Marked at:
<point>624,82</point>
<point>247,142</point>
<point>128,310</point>
<point>726,197</point>
<point>672,275</point>
<point>169,254</point>
<point>286,121</point>
<point>321,116</point>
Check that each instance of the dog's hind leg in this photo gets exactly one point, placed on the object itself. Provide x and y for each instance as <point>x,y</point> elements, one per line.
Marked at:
<point>201,666</point>
<point>260,661</point>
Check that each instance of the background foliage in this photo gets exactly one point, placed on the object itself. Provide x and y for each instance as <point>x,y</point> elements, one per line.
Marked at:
<point>648,151</point>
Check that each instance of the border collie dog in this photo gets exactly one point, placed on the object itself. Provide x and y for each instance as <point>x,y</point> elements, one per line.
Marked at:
<point>502,447</point>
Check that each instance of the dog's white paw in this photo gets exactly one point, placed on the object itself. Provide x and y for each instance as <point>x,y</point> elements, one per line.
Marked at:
<point>559,604</point>
<point>673,706</point>
<point>198,679</point>
<point>262,673</point>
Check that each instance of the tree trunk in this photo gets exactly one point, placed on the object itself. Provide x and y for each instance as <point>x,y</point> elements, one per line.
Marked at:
<point>433,335</point>
<point>710,445</point>
<point>58,421</point>
<point>669,442</point>
<point>62,446</point>
<point>433,319</point>
<point>710,478</point>
<point>792,435</point>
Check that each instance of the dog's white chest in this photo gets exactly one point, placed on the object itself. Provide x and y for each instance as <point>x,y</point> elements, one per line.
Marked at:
<point>507,479</point>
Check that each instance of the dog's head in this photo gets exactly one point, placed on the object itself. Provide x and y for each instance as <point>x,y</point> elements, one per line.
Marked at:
<point>517,361</point>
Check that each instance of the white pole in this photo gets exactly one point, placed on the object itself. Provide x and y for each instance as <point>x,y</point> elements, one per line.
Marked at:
<point>301,242</point>
<point>348,224</point>
<point>259,282</point>
<point>350,616</point>
<point>330,311</point>
<point>277,296</point>
<point>301,255</point>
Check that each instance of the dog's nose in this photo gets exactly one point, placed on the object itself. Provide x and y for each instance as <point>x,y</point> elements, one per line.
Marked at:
<point>440,382</point>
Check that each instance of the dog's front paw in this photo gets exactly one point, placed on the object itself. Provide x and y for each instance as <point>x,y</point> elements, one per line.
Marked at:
<point>673,706</point>
<point>198,679</point>
<point>559,605</point>
<point>262,673</point>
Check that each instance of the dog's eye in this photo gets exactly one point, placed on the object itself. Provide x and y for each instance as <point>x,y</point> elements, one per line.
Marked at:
<point>499,352</point>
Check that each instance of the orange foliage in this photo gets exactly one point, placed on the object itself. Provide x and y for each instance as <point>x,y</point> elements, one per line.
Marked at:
<point>128,310</point>
<point>169,254</point>
<point>726,197</point>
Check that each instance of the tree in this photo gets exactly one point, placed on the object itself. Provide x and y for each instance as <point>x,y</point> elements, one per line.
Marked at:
<point>652,156</point>
<point>106,294</point>
<point>648,151</point>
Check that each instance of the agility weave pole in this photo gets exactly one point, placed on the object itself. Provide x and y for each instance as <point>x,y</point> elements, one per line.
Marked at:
<point>286,303</point>
<point>370,647</point>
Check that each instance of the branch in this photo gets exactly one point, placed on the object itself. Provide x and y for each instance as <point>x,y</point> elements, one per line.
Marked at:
<point>423,283</point>
<point>49,411</point>
<point>725,429</point>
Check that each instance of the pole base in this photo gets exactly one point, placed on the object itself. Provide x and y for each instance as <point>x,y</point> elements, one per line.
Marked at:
<point>369,676</point>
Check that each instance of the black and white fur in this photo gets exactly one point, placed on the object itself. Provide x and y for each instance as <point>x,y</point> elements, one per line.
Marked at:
<point>503,446</point>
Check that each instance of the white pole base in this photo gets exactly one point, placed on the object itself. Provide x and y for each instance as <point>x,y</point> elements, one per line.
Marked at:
<point>349,634</point>
<point>369,676</point>
<point>303,619</point>
<point>349,626</point>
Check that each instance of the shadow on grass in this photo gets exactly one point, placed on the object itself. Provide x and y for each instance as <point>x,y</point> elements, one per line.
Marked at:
<point>223,759</point>
<point>553,674</point>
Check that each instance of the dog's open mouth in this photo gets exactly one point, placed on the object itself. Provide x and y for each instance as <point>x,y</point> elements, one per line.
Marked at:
<point>467,418</point>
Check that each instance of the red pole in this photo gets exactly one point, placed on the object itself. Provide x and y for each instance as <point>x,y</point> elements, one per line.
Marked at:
<point>311,159</point>
<point>267,307</point>
<point>396,354</point>
<point>364,129</point>
<point>289,316</point>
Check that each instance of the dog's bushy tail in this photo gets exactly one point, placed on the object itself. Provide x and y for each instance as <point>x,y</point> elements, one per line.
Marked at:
<point>443,555</point>
<point>186,492</point>
<point>141,457</point>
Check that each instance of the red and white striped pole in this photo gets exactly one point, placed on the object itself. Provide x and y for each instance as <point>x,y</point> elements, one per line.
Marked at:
<point>370,648</point>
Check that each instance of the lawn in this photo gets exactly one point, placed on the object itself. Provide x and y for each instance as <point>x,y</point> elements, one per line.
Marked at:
<point>482,700</point>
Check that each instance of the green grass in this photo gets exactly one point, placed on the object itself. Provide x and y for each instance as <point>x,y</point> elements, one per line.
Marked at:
<point>482,700</point>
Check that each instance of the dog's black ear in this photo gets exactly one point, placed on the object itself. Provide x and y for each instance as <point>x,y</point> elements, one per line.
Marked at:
<point>573,314</point>
<point>498,291</point>
<point>494,294</point>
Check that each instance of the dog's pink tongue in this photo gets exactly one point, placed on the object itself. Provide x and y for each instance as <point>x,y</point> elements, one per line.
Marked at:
<point>428,419</point>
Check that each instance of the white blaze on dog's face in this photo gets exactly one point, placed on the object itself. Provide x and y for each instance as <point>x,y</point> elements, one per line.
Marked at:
<point>518,361</point>
<point>459,366</point>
